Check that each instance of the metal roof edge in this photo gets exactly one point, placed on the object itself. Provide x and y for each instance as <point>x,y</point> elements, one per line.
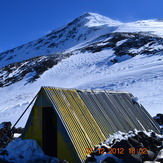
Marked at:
<point>86,90</point>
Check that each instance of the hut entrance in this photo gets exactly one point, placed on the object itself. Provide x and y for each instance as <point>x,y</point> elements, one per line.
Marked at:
<point>49,131</point>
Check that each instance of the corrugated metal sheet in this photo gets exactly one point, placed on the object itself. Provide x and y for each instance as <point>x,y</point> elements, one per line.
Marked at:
<point>89,116</point>
<point>80,124</point>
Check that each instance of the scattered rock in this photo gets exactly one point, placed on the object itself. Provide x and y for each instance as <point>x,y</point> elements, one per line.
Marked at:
<point>159,156</point>
<point>125,146</point>
<point>7,134</point>
<point>149,156</point>
<point>159,119</point>
<point>135,143</point>
<point>133,158</point>
<point>18,130</point>
<point>137,148</point>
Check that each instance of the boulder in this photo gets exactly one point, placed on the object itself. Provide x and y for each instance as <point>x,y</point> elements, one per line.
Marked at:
<point>125,146</point>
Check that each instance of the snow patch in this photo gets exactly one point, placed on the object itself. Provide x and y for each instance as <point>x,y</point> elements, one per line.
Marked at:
<point>22,151</point>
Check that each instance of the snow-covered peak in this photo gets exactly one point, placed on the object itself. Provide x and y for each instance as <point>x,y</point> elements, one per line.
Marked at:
<point>73,35</point>
<point>95,19</point>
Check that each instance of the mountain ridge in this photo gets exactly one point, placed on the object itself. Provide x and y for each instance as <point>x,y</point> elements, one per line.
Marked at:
<point>74,33</point>
<point>81,30</point>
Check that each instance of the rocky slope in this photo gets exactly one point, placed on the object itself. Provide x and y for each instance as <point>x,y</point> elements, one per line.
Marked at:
<point>122,44</point>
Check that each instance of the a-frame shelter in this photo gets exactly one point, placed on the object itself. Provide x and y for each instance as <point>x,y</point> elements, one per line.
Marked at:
<point>66,122</point>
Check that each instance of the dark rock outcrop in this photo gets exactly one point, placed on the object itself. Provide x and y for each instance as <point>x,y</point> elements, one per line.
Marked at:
<point>6,135</point>
<point>135,149</point>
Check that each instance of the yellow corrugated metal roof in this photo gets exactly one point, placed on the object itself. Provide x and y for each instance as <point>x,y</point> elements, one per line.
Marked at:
<point>89,116</point>
<point>83,129</point>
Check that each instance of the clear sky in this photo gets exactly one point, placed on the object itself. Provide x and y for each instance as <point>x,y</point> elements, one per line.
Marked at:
<point>22,21</point>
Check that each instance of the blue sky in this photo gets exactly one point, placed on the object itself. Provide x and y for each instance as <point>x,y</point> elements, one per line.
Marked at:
<point>22,21</point>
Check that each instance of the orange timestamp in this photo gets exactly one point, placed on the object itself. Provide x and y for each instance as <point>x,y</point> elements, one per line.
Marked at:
<point>137,151</point>
<point>118,150</point>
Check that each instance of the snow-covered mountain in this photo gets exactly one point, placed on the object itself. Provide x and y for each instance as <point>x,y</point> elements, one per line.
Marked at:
<point>79,31</point>
<point>92,51</point>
